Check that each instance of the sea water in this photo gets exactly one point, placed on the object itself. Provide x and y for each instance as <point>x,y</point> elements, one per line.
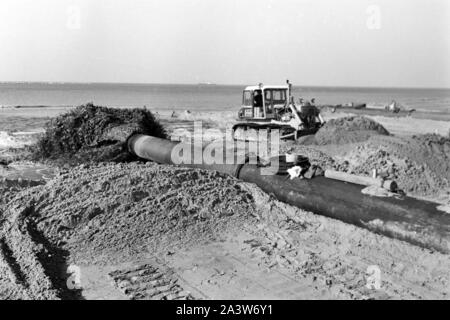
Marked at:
<point>204,97</point>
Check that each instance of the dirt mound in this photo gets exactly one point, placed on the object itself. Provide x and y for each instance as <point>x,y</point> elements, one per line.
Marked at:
<point>126,209</point>
<point>347,130</point>
<point>110,213</point>
<point>430,149</point>
<point>420,164</point>
<point>8,192</point>
<point>93,133</point>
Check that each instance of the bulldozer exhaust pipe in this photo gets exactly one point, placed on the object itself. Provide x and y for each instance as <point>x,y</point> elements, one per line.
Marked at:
<point>416,221</point>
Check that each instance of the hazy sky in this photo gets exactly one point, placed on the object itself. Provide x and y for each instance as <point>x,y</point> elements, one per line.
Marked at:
<point>319,42</point>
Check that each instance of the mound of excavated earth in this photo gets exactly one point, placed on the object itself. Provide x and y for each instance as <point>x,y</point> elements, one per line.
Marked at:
<point>346,130</point>
<point>92,133</point>
<point>420,164</point>
<point>111,213</point>
<point>106,210</point>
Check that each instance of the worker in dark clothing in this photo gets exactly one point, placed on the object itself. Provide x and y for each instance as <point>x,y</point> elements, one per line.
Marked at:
<point>257,99</point>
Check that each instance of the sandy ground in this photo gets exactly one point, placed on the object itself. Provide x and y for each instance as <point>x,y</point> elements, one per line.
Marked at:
<point>158,232</point>
<point>25,119</point>
<point>230,240</point>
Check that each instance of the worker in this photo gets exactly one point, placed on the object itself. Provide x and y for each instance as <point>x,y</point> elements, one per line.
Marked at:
<point>319,116</point>
<point>393,107</point>
<point>257,99</point>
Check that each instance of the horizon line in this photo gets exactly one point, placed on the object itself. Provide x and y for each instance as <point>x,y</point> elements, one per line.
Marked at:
<point>212,84</point>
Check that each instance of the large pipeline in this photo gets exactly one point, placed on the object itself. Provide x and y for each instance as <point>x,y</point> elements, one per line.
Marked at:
<point>416,221</point>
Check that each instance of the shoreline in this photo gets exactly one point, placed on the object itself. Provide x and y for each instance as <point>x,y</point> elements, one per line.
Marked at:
<point>420,113</point>
<point>417,114</point>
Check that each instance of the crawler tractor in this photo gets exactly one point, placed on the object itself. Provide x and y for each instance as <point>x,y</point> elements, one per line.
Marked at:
<point>270,108</point>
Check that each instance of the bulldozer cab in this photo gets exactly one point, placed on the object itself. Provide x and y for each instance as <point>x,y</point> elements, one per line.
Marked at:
<point>261,102</point>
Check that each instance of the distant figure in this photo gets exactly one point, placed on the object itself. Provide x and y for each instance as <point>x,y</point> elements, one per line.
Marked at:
<point>393,107</point>
<point>257,99</point>
<point>173,115</point>
<point>187,115</point>
<point>313,101</point>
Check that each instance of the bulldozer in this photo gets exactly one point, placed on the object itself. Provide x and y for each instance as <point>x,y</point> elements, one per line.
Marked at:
<point>272,107</point>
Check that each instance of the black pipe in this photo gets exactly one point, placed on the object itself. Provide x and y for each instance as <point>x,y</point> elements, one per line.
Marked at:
<point>163,151</point>
<point>416,221</point>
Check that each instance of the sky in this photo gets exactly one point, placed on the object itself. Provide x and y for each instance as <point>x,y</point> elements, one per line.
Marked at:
<point>377,43</point>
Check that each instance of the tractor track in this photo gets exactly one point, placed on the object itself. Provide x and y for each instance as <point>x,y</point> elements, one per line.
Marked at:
<point>12,281</point>
<point>30,265</point>
<point>147,282</point>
